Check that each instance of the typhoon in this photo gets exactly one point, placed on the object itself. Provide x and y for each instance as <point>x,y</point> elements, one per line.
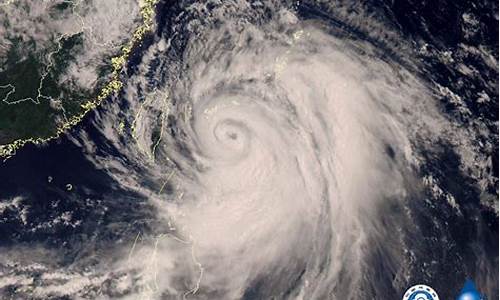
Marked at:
<point>276,150</point>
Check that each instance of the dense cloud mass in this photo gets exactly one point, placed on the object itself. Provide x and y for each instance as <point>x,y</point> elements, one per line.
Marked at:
<point>267,150</point>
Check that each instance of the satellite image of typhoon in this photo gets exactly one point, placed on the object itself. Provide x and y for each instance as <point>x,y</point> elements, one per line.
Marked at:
<point>240,149</point>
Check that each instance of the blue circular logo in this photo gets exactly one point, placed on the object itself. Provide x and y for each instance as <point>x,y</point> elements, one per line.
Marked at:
<point>420,292</point>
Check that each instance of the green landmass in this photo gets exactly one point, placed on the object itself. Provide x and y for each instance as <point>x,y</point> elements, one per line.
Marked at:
<point>38,100</point>
<point>29,85</point>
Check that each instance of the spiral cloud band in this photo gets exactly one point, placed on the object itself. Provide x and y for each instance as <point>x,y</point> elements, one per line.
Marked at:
<point>279,145</point>
<point>261,150</point>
